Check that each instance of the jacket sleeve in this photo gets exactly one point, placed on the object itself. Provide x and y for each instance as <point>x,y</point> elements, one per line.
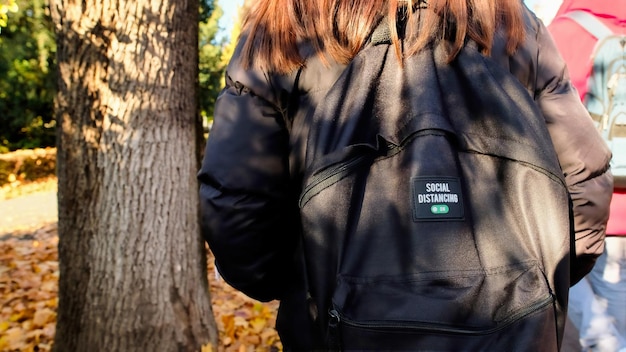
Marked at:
<point>583,154</point>
<point>247,216</point>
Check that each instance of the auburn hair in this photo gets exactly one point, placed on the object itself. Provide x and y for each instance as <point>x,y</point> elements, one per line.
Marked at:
<point>274,30</point>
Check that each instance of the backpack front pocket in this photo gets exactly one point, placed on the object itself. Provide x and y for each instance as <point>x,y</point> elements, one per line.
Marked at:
<point>499,309</point>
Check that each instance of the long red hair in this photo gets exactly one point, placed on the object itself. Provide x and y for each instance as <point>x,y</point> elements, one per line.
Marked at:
<point>337,29</point>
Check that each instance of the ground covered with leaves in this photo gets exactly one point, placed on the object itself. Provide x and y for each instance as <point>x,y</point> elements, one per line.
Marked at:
<point>29,274</point>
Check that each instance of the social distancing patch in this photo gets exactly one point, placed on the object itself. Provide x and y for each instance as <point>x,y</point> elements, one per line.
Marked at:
<point>437,198</point>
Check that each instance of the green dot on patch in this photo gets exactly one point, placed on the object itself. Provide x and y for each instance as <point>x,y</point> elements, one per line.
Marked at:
<point>440,209</point>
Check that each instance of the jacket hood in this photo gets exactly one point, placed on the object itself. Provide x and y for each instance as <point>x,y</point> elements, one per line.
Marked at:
<point>602,8</point>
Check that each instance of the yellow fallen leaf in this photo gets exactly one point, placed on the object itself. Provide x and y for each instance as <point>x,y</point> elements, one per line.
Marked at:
<point>229,326</point>
<point>241,322</point>
<point>27,325</point>
<point>16,317</point>
<point>269,336</point>
<point>258,324</point>
<point>43,316</point>
<point>36,268</point>
<point>12,338</point>
<point>258,307</point>
<point>252,340</point>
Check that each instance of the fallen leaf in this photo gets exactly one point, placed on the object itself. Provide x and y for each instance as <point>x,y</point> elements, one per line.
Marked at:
<point>29,274</point>
<point>43,316</point>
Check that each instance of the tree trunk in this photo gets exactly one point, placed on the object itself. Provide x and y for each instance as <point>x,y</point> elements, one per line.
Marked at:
<point>132,262</point>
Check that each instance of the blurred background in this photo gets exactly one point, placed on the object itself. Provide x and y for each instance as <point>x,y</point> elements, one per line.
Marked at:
<point>545,9</point>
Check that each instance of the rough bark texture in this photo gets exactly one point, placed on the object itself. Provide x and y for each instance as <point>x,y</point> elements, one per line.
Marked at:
<point>132,262</point>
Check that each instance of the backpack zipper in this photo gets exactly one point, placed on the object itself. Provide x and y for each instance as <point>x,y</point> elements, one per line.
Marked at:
<point>336,320</point>
<point>335,173</point>
<point>329,177</point>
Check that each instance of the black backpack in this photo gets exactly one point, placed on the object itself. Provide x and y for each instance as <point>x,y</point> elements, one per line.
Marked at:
<point>434,209</point>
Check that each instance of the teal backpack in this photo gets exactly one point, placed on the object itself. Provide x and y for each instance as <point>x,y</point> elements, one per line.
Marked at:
<point>606,89</point>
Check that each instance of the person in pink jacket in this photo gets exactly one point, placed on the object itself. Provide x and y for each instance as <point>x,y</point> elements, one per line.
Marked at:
<point>597,304</point>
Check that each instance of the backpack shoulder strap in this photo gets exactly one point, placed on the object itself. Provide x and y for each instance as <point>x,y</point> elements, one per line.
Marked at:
<point>590,23</point>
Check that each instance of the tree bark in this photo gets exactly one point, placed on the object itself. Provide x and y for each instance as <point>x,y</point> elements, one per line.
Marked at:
<point>132,262</point>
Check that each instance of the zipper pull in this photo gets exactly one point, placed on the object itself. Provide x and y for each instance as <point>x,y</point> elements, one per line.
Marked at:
<point>334,338</point>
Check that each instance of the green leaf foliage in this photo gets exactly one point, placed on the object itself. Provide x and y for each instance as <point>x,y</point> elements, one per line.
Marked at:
<point>27,78</point>
<point>212,62</point>
<point>6,6</point>
<point>28,72</point>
